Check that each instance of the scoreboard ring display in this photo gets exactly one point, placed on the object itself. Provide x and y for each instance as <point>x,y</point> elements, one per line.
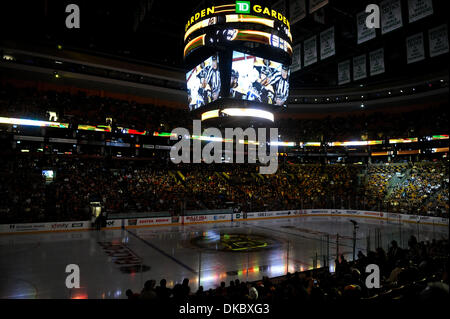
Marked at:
<point>218,24</point>
<point>240,52</point>
<point>226,36</point>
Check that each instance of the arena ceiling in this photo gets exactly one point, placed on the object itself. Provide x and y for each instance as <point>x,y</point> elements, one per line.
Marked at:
<point>151,31</point>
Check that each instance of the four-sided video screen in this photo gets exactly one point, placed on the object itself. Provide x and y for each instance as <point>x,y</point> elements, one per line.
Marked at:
<point>203,83</point>
<point>252,78</point>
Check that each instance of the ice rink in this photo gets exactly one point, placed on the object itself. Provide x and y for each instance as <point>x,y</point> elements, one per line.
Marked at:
<point>111,261</point>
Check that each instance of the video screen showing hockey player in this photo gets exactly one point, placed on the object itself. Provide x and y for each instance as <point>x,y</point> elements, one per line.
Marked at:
<point>258,79</point>
<point>203,83</point>
<point>236,90</point>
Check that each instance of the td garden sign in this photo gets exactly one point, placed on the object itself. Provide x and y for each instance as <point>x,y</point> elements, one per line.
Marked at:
<point>240,7</point>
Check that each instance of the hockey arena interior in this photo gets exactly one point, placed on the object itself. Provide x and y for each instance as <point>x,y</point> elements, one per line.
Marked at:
<point>119,178</point>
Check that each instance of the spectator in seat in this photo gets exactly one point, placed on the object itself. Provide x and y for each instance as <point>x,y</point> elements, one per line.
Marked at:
<point>149,290</point>
<point>162,291</point>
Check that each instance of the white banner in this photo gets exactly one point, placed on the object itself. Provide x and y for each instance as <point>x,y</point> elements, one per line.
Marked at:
<point>415,50</point>
<point>364,33</point>
<point>438,39</point>
<point>419,9</point>
<point>310,51</point>
<point>297,10</point>
<point>316,5</point>
<point>376,61</point>
<point>344,72</point>
<point>359,67</point>
<point>296,58</point>
<point>327,47</point>
<point>391,15</point>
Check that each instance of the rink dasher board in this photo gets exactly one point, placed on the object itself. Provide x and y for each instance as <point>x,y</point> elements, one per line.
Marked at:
<point>30,228</point>
<point>27,228</point>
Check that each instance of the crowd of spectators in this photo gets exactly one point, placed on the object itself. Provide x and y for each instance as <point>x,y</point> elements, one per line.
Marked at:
<point>426,185</point>
<point>90,109</point>
<point>418,188</point>
<point>366,126</point>
<point>157,186</point>
<point>416,273</point>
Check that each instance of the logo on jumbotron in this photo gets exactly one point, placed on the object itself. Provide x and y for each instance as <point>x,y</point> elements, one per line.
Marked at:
<point>242,6</point>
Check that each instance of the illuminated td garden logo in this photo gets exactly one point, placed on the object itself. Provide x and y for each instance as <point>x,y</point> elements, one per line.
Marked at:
<point>242,6</point>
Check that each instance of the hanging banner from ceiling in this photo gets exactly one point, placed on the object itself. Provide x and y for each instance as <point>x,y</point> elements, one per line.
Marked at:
<point>391,15</point>
<point>376,62</point>
<point>419,9</point>
<point>438,40</point>
<point>415,50</point>
<point>327,46</point>
<point>310,51</point>
<point>359,67</point>
<point>297,10</point>
<point>364,33</point>
<point>296,58</point>
<point>344,72</point>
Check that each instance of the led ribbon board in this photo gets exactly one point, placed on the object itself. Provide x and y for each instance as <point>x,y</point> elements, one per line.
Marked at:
<point>27,122</point>
<point>194,44</point>
<point>356,143</point>
<point>231,8</point>
<point>243,35</point>
<point>254,14</point>
<point>235,18</point>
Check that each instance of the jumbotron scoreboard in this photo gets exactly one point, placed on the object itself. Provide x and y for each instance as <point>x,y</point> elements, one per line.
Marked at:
<point>238,56</point>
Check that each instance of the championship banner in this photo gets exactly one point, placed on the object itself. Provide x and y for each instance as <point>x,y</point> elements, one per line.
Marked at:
<point>297,10</point>
<point>327,46</point>
<point>296,58</point>
<point>438,39</point>
<point>310,51</point>
<point>316,5</point>
<point>419,9</point>
<point>391,15</point>
<point>415,50</point>
<point>359,67</point>
<point>364,33</point>
<point>344,72</point>
<point>376,61</point>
